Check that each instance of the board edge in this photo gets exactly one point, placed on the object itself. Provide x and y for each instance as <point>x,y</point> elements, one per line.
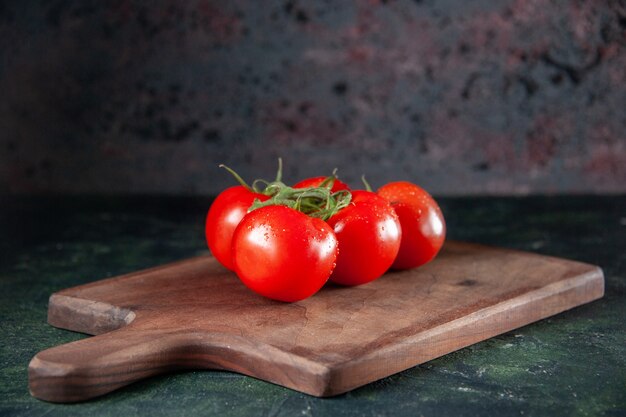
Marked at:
<point>86,316</point>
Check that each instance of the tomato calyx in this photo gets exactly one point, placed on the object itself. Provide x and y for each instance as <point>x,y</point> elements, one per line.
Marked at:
<point>319,201</point>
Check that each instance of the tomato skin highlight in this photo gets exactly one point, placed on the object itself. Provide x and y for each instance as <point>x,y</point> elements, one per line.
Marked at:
<point>369,236</point>
<point>422,222</point>
<point>283,254</point>
<point>225,213</point>
<point>338,185</point>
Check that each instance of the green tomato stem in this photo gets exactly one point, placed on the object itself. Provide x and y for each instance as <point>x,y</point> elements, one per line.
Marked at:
<point>366,184</point>
<point>279,173</point>
<point>237,177</point>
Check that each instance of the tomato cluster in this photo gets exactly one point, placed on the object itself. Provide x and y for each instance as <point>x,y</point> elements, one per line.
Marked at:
<point>286,242</point>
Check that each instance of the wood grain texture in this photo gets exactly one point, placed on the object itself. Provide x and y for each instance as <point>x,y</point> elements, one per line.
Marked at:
<point>195,314</point>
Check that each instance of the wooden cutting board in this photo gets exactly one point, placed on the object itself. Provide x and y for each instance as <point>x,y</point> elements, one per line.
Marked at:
<point>195,314</point>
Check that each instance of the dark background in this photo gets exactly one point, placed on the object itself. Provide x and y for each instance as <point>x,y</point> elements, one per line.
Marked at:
<point>463,97</point>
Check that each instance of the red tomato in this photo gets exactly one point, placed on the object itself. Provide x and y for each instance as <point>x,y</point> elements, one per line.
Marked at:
<point>223,217</point>
<point>369,236</point>
<point>338,185</point>
<point>423,225</point>
<point>283,254</point>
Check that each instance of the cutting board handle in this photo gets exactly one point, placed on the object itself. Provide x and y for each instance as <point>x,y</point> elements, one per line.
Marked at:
<point>98,365</point>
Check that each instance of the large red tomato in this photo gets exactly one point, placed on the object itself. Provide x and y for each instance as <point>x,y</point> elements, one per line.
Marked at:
<point>223,217</point>
<point>423,225</point>
<point>369,236</point>
<point>283,254</point>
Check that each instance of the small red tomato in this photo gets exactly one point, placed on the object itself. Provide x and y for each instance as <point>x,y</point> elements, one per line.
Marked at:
<point>423,225</point>
<point>369,236</point>
<point>283,254</point>
<point>338,185</point>
<point>223,217</point>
